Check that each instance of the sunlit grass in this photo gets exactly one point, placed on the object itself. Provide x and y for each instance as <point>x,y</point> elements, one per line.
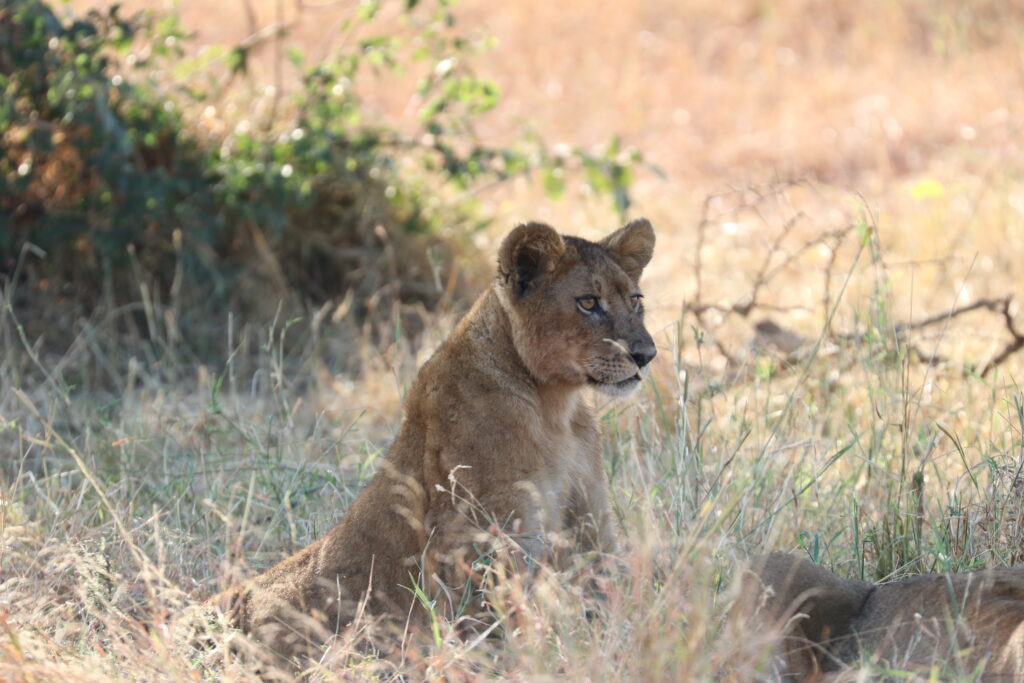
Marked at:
<point>862,458</point>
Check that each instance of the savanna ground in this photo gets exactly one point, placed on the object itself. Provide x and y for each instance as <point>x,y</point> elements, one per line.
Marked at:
<point>832,173</point>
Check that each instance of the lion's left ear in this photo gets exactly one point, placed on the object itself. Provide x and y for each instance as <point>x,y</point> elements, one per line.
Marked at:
<point>631,246</point>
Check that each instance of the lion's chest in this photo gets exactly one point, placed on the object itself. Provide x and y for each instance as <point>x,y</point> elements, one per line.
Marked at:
<point>569,463</point>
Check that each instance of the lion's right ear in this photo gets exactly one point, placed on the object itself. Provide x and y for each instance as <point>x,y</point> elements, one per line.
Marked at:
<point>527,254</point>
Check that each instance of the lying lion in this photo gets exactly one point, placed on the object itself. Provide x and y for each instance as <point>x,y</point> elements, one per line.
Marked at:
<point>497,437</point>
<point>823,622</point>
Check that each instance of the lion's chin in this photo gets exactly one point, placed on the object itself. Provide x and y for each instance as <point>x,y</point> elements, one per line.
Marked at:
<point>623,387</point>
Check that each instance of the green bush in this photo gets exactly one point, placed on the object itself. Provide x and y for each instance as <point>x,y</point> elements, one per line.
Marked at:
<point>89,164</point>
<point>101,171</point>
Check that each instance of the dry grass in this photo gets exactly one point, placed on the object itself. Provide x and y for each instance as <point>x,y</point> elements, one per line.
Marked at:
<point>903,117</point>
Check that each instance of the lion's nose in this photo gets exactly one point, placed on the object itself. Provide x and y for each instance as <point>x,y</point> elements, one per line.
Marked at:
<point>643,352</point>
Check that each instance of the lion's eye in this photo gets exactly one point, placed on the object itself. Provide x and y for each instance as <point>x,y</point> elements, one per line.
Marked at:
<point>587,304</point>
<point>635,301</point>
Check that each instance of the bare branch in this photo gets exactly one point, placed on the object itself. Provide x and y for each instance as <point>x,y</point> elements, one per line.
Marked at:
<point>749,199</point>
<point>1014,345</point>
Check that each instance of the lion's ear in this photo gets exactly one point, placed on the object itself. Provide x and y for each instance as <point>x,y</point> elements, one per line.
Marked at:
<point>631,246</point>
<point>528,253</point>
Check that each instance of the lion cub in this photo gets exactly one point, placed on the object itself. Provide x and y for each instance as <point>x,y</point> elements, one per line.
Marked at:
<point>497,435</point>
<point>824,622</point>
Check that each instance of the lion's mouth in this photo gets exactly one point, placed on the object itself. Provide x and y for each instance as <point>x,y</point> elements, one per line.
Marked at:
<point>622,387</point>
<point>620,383</point>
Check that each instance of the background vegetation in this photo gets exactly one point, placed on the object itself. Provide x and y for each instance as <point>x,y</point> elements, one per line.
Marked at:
<point>230,233</point>
<point>109,184</point>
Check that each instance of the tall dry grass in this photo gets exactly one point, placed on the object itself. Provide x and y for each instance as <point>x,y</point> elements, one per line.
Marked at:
<point>120,508</point>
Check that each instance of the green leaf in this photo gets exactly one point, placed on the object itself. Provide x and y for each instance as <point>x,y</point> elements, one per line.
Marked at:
<point>927,188</point>
<point>368,9</point>
<point>238,60</point>
<point>554,182</point>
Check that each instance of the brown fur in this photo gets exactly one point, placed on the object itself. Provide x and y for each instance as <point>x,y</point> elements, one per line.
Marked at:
<point>496,435</point>
<point>824,622</point>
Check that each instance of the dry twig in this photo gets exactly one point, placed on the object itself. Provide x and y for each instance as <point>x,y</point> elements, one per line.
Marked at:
<point>790,344</point>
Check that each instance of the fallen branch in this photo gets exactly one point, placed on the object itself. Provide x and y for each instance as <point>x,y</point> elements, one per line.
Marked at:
<point>1014,345</point>
<point>791,346</point>
<point>787,345</point>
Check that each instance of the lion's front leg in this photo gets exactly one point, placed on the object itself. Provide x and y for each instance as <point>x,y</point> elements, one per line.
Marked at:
<point>589,520</point>
<point>591,525</point>
<point>474,543</point>
<point>588,516</point>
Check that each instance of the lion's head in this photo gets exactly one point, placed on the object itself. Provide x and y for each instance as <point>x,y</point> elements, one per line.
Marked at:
<point>576,307</point>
